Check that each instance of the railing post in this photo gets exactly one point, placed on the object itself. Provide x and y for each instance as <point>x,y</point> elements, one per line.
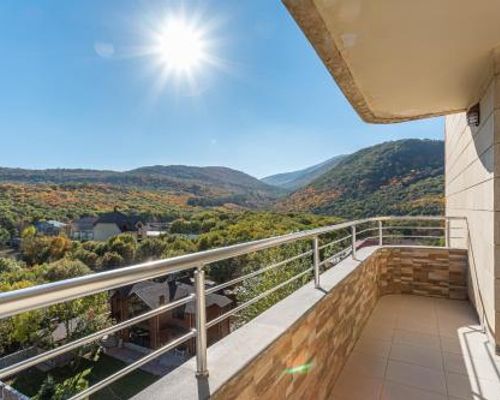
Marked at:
<point>316,261</point>
<point>380,233</point>
<point>201,323</point>
<point>447,232</point>
<point>353,233</point>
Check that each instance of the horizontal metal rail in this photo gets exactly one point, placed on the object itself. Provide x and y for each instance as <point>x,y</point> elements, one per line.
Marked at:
<point>415,227</point>
<point>48,355</point>
<point>367,230</point>
<point>414,236</point>
<point>256,273</point>
<point>334,242</point>
<point>132,367</point>
<point>33,298</point>
<point>332,257</point>
<point>36,297</point>
<point>235,310</point>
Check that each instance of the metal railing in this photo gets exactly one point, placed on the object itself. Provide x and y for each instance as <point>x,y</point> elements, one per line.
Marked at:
<point>348,237</point>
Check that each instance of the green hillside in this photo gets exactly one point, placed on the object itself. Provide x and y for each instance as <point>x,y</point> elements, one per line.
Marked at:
<point>400,177</point>
<point>204,185</point>
<point>297,179</point>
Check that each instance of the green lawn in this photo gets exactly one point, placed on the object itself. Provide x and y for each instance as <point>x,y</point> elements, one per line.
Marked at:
<point>29,382</point>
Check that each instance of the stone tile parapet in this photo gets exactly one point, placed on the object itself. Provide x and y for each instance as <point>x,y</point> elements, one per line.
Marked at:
<point>297,348</point>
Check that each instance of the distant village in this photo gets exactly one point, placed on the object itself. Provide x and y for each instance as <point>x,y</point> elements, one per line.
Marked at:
<point>129,301</point>
<point>102,227</point>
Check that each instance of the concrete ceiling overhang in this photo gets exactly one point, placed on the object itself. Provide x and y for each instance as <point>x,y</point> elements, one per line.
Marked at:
<point>398,60</point>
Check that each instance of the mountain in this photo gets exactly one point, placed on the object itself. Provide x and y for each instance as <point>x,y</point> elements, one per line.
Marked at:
<point>204,185</point>
<point>392,178</point>
<point>297,179</point>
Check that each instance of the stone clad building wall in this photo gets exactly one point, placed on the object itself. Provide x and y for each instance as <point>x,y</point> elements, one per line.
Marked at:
<point>472,170</point>
<point>306,360</point>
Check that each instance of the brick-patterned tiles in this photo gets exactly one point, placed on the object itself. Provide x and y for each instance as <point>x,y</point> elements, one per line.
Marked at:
<point>450,360</point>
<point>325,336</point>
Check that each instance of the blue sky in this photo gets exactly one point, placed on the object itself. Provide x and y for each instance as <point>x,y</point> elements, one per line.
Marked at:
<point>75,91</point>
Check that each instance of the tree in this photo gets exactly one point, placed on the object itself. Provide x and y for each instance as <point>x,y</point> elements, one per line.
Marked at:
<point>80,317</point>
<point>151,249</point>
<point>111,260</point>
<point>47,390</point>
<point>29,231</point>
<point>70,387</point>
<point>4,236</point>
<point>124,245</point>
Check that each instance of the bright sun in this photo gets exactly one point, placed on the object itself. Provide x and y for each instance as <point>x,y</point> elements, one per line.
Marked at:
<point>182,46</point>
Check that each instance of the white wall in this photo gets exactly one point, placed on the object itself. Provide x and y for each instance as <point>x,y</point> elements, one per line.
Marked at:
<point>105,231</point>
<point>472,172</point>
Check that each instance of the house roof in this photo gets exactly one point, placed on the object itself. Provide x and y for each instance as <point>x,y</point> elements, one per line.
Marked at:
<point>84,223</point>
<point>149,292</point>
<point>123,221</point>
<point>52,223</point>
<point>401,60</point>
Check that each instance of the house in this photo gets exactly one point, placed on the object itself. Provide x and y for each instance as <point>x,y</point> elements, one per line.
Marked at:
<point>83,228</point>
<point>50,228</point>
<point>144,296</point>
<point>114,223</point>
<point>155,229</point>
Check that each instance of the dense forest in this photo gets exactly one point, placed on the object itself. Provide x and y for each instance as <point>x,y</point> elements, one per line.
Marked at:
<point>199,182</point>
<point>395,178</point>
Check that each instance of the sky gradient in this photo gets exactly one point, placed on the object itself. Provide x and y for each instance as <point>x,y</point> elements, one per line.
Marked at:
<point>77,91</point>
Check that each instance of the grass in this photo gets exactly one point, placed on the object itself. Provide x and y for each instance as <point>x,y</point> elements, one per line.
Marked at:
<point>29,382</point>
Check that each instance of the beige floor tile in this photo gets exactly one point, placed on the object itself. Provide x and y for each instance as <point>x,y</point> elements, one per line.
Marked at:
<point>451,344</point>
<point>449,327</point>
<point>414,325</point>
<point>378,330</point>
<point>482,368</point>
<point>430,349</point>
<point>419,355</point>
<point>416,376</point>
<point>456,318</point>
<point>365,365</point>
<point>373,347</point>
<point>459,386</point>
<point>391,300</point>
<point>354,387</point>
<point>458,313</point>
<point>455,363</point>
<point>417,338</point>
<point>468,387</point>
<point>396,391</point>
<point>383,317</point>
<point>476,344</point>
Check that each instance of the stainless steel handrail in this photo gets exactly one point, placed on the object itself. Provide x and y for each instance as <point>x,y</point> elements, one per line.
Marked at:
<point>41,296</point>
<point>35,297</point>
<point>15,302</point>
<point>57,351</point>
<point>256,273</point>
<point>334,242</point>
<point>415,227</point>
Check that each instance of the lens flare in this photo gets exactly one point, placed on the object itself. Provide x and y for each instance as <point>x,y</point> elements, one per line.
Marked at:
<point>299,369</point>
<point>181,46</point>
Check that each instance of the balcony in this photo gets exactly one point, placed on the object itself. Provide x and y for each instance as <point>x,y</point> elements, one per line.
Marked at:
<point>377,309</point>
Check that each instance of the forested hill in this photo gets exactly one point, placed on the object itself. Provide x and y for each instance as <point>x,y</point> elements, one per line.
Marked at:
<point>206,184</point>
<point>297,179</point>
<point>392,178</point>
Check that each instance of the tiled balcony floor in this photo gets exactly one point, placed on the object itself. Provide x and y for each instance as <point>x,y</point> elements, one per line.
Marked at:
<point>421,348</point>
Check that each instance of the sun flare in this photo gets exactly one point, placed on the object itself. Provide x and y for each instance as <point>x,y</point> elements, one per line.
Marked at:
<point>181,46</point>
